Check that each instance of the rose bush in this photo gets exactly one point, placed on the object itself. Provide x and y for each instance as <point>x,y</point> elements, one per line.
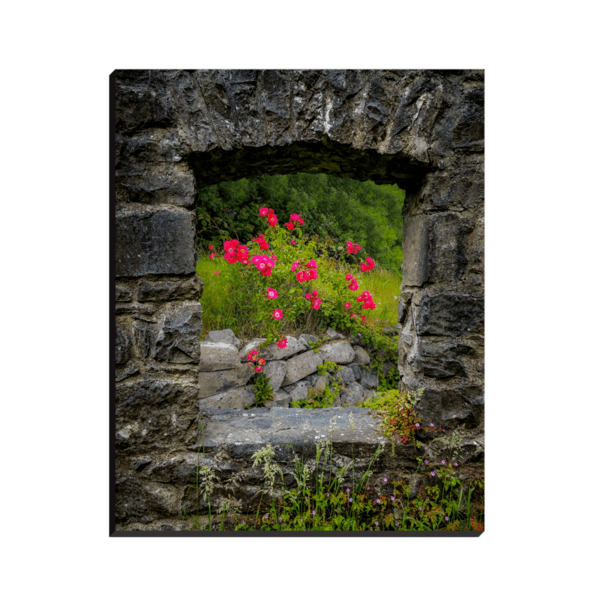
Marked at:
<point>291,283</point>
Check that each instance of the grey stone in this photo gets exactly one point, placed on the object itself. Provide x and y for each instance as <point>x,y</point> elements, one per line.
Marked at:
<point>172,233</point>
<point>218,356</point>
<point>128,371</point>
<point>311,379</point>
<point>122,346</point>
<point>347,375</point>
<point>237,398</point>
<point>274,352</point>
<point>155,413</point>
<point>356,370</point>
<point>215,382</point>
<point>298,391</point>
<point>340,353</point>
<point>169,289</point>
<point>307,338</point>
<point>320,384</point>
<point>253,345</point>
<point>369,379</point>
<point>353,394</point>
<point>442,360</point>
<point>301,365</point>
<point>362,356</point>
<point>275,370</point>
<point>332,334</point>
<point>178,334</point>
<point>355,339</point>
<point>281,399</point>
<point>123,294</point>
<point>449,315</point>
<point>225,336</point>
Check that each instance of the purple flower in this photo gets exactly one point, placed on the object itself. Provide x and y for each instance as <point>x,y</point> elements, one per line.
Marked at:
<point>417,425</point>
<point>347,490</point>
<point>280,519</point>
<point>426,462</point>
<point>213,527</point>
<point>433,473</point>
<point>328,494</point>
<point>420,508</point>
<point>455,464</point>
<point>385,480</point>
<point>243,522</point>
<point>443,462</point>
<point>314,512</point>
<point>392,498</point>
<point>376,523</point>
<point>368,488</point>
<point>397,524</point>
<point>351,500</point>
<point>446,519</point>
<point>378,501</point>
<point>431,425</point>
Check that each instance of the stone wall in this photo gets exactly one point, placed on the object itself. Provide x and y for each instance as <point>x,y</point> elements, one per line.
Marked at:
<point>292,371</point>
<point>176,131</point>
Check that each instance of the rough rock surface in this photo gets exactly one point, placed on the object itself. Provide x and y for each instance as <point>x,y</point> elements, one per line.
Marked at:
<point>275,370</point>
<point>226,336</point>
<point>340,352</point>
<point>216,382</point>
<point>301,365</point>
<point>218,356</point>
<point>362,357</point>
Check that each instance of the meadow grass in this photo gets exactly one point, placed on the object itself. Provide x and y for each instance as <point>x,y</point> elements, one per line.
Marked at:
<point>225,303</point>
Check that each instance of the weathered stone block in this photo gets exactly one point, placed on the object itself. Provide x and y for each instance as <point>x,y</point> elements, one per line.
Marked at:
<point>369,379</point>
<point>275,370</point>
<point>123,293</point>
<point>154,241</point>
<point>273,351</point>
<point>165,183</point>
<point>415,245</point>
<point>281,399</point>
<point>155,413</point>
<point>353,395</point>
<point>225,336</point>
<point>307,337</point>
<point>298,391</point>
<point>449,314</point>
<point>237,398</point>
<point>178,335</point>
<point>166,290</point>
<point>347,375</point>
<point>442,360</point>
<point>340,353</point>
<point>216,382</point>
<point>362,356</point>
<point>218,356</point>
<point>301,365</point>
<point>123,345</point>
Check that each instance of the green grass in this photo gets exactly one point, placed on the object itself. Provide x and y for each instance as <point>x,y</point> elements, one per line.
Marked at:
<point>225,305</point>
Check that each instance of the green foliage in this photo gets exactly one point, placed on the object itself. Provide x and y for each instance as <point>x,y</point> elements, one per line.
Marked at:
<point>324,498</point>
<point>263,389</point>
<point>340,209</point>
<point>399,420</point>
<point>235,295</point>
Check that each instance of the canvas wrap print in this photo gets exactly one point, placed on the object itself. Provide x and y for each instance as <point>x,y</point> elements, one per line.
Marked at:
<point>298,267</point>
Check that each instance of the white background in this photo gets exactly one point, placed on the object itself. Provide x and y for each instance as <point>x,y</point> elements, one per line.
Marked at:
<point>541,296</point>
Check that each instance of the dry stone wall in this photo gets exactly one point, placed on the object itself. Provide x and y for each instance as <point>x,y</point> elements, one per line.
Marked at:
<point>178,130</point>
<point>224,370</point>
